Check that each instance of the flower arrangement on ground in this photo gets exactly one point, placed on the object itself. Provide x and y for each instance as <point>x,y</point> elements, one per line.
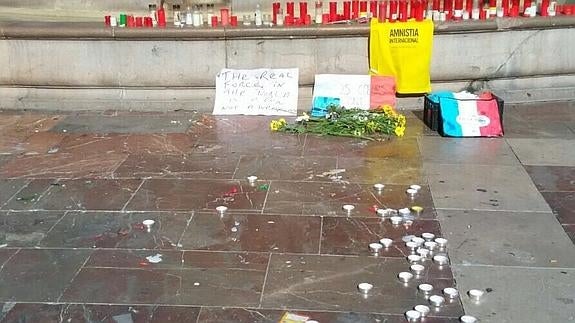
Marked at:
<point>374,124</point>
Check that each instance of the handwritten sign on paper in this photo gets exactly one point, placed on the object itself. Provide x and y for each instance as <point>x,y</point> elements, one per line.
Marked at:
<point>356,91</point>
<point>257,92</point>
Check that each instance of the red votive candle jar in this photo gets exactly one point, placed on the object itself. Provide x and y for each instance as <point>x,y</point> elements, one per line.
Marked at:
<point>469,6</point>
<point>448,8</point>
<point>333,11</point>
<point>139,21</point>
<point>373,9</point>
<point>526,4</point>
<point>355,9</point>
<point>161,13</point>
<point>436,5</point>
<point>234,21</point>
<point>290,9</point>
<point>225,16</point>
<point>420,9</point>
<point>289,20</point>
<point>402,10</point>
<point>412,8</point>
<point>514,12</point>
<point>483,13</point>
<point>302,10</point>
<point>325,18</point>
<point>107,20</point>
<point>392,10</point>
<point>275,9</point>
<point>362,7</point>
<point>505,8</point>
<point>214,21</point>
<point>347,10</point>
<point>544,8</point>
<point>382,11</point>
<point>130,22</point>
<point>148,22</point>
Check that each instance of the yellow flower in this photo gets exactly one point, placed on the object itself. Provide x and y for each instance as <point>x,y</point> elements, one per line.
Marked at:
<point>276,125</point>
<point>388,109</point>
<point>399,131</point>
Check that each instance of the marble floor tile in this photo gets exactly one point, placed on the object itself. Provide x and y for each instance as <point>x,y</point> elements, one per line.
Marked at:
<point>15,129</point>
<point>117,230</point>
<point>483,187</point>
<point>10,187</point>
<point>183,194</point>
<point>527,295</point>
<point>28,228</point>
<point>538,129</point>
<point>563,205</point>
<point>314,198</point>
<point>123,124</point>
<point>62,165</point>
<point>215,128</point>
<point>78,144</point>
<point>330,283</point>
<point>177,166</point>
<point>253,232</point>
<point>41,143</point>
<point>401,148</point>
<point>506,239</point>
<point>229,315</point>
<point>480,151</point>
<point>548,111</point>
<point>161,143</point>
<point>384,170</point>
<point>79,194</point>
<point>212,279</point>
<point>39,275</point>
<point>552,178</point>
<point>292,168</point>
<point>352,236</point>
<point>26,312</point>
<point>545,152</point>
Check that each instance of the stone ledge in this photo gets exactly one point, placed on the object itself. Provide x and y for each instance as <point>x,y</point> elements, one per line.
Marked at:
<point>96,31</point>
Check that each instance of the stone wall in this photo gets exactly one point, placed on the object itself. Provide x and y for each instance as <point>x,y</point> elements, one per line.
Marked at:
<point>528,63</point>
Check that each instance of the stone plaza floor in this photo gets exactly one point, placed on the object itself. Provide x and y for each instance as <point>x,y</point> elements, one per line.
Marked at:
<point>75,189</point>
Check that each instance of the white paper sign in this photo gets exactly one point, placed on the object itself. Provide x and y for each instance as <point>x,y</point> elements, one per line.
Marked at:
<point>257,92</point>
<point>352,90</point>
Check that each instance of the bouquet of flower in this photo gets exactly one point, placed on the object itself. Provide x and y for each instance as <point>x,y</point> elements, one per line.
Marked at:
<point>366,124</point>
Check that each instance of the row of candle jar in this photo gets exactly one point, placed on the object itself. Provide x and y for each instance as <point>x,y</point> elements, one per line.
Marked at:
<point>391,10</point>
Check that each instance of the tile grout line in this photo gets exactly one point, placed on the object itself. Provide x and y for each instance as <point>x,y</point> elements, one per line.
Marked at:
<point>9,258</point>
<point>266,198</point>
<point>199,314</point>
<point>237,167</point>
<point>123,210</point>
<point>179,242</point>
<point>320,236</point>
<point>265,280</point>
<point>75,275</point>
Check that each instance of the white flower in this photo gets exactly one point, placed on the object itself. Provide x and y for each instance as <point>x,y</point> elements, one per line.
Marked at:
<point>304,117</point>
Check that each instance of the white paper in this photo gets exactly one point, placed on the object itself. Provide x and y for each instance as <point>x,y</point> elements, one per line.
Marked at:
<point>257,92</point>
<point>352,90</point>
